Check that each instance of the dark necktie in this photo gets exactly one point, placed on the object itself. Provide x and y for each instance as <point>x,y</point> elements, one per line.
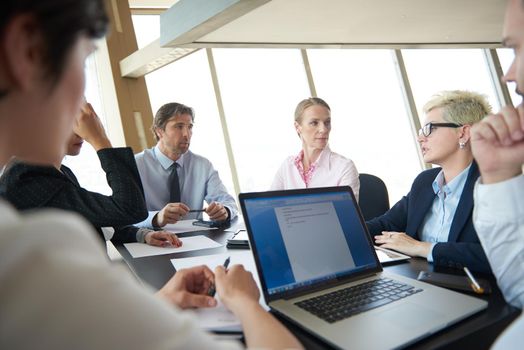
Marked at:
<point>174,185</point>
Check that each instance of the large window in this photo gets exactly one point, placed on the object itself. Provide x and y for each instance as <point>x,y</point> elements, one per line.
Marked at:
<point>433,70</point>
<point>188,81</point>
<point>147,29</point>
<point>370,123</point>
<point>260,89</point>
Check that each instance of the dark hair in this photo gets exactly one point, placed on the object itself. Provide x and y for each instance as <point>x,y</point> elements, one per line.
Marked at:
<point>60,22</point>
<point>168,111</point>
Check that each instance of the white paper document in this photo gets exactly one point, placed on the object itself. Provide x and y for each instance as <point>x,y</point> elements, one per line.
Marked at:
<point>238,225</point>
<point>186,226</point>
<point>219,318</point>
<point>139,250</point>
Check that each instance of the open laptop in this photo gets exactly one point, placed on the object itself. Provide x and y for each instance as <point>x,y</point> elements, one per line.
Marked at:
<point>314,257</point>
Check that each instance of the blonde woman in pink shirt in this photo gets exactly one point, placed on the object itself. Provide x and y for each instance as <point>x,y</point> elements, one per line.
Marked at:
<point>316,165</point>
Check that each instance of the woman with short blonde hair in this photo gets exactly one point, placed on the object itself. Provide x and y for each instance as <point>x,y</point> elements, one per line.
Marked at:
<point>433,220</point>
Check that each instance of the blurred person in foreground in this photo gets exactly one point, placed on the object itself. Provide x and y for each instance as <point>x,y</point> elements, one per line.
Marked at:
<point>57,287</point>
<point>498,147</point>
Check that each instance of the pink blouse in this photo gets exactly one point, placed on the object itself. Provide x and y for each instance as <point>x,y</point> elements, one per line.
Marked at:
<point>330,169</point>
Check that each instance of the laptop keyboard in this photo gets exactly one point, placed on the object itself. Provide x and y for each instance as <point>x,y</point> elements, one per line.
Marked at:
<point>344,303</point>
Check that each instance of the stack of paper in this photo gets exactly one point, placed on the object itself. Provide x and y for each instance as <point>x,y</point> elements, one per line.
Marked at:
<point>238,240</point>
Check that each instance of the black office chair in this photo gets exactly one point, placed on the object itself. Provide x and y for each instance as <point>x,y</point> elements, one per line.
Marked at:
<point>373,196</point>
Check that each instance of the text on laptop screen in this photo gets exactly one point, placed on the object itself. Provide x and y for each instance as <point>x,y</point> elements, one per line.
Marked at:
<point>303,239</point>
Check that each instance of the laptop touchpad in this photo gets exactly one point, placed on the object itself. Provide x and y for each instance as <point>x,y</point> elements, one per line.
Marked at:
<point>410,316</point>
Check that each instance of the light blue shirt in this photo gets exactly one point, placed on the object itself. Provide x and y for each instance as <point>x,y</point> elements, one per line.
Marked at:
<point>199,182</point>
<point>438,220</point>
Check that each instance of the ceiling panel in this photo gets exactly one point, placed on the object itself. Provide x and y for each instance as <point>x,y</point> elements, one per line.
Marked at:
<point>366,21</point>
<point>136,4</point>
<point>193,24</point>
<point>346,22</point>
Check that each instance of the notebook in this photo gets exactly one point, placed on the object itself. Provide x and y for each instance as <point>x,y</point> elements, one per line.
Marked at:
<point>318,268</point>
<point>238,240</point>
<point>387,256</point>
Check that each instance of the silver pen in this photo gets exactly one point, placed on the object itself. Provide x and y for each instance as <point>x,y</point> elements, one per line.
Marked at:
<point>474,284</point>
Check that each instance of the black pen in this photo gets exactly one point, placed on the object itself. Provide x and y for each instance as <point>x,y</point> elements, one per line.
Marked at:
<point>226,262</point>
<point>211,291</point>
<point>196,210</point>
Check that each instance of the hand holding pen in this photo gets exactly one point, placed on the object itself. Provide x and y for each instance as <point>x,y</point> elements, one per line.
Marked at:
<point>212,289</point>
<point>217,212</point>
<point>188,288</point>
<point>237,288</point>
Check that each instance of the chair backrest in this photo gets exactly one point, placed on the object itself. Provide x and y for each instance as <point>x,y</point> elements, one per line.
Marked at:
<point>373,196</point>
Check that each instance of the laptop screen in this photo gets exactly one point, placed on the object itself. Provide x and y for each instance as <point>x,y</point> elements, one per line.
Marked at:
<point>306,237</point>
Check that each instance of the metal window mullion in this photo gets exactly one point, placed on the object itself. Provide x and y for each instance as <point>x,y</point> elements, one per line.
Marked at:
<point>409,101</point>
<point>495,73</point>
<point>223,121</point>
<point>309,75</point>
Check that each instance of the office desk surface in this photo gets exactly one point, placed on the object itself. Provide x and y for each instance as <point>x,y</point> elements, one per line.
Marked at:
<point>476,332</point>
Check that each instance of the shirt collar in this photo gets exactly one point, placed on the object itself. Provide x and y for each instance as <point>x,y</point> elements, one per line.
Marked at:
<point>321,158</point>
<point>453,185</point>
<point>165,161</point>
<point>324,156</point>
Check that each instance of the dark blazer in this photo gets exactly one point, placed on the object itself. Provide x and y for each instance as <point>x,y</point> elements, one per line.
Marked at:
<point>31,186</point>
<point>463,247</point>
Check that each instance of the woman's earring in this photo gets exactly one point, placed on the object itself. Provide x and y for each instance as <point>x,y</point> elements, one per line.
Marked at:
<point>462,144</point>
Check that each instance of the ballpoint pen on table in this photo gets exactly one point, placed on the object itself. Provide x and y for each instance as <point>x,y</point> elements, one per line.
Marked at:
<point>197,210</point>
<point>237,232</point>
<point>474,284</point>
<point>212,290</point>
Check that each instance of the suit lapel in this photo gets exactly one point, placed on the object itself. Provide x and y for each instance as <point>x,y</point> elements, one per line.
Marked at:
<point>465,205</point>
<point>420,204</point>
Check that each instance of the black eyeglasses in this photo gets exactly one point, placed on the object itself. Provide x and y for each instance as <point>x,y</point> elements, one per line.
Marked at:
<point>429,127</point>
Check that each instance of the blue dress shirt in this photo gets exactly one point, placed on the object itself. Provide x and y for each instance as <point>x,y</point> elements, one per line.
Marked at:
<point>438,220</point>
<point>199,182</point>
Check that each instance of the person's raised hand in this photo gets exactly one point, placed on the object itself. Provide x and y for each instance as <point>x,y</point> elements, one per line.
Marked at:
<point>498,144</point>
<point>89,127</point>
